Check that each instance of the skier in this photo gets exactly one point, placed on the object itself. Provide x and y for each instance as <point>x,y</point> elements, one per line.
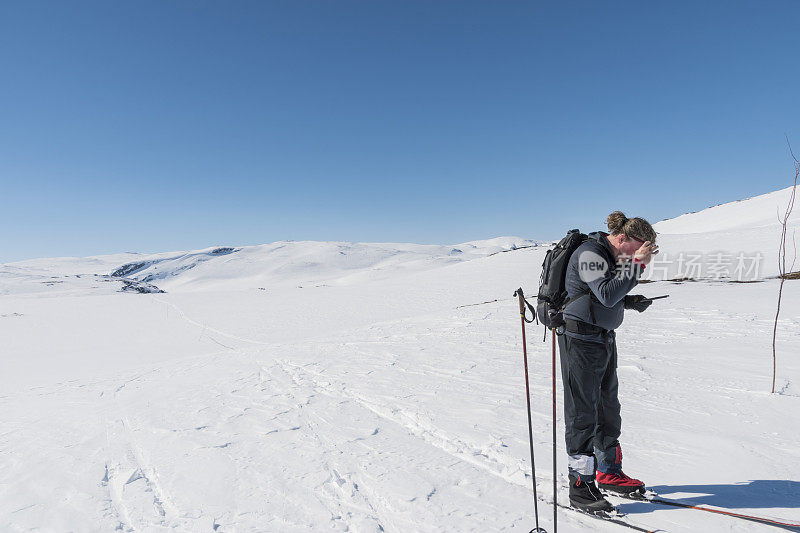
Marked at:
<point>599,275</point>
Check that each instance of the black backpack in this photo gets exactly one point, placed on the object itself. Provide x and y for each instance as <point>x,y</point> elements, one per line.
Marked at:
<point>552,295</point>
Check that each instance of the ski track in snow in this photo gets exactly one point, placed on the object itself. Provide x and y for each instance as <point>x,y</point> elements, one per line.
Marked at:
<point>349,503</point>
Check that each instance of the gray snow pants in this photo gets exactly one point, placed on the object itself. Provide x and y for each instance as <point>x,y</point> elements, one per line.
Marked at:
<point>591,407</point>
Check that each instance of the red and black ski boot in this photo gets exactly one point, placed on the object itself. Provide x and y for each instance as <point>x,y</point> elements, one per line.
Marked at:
<point>584,495</point>
<point>619,483</point>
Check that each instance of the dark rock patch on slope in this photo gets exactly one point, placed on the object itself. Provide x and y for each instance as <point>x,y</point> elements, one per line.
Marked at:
<point>139,287</point>
<point>130,268</point>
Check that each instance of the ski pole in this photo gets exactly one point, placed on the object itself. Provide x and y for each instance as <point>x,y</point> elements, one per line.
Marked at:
<point>522,304</point>
<point>555,477</point>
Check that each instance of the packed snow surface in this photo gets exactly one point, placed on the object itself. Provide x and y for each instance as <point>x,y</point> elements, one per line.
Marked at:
<point>315,386</point>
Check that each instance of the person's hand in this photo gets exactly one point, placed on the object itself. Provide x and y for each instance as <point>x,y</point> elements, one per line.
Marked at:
<point>645,252</point>
<point>637,302</point>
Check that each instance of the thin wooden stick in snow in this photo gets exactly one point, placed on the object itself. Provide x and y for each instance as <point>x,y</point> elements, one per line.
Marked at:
<point>782,271</point>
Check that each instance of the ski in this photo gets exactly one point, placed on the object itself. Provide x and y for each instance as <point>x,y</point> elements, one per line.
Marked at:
<point>653,497</point>
<point>607,517</point>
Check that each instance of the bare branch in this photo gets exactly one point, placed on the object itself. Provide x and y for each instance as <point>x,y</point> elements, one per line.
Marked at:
<point>782,256</point>
<point>789,144</point>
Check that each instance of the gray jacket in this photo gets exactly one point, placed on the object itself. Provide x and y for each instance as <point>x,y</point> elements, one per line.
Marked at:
<point>596,285</point>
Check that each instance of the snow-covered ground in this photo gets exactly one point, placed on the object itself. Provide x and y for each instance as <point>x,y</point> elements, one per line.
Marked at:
<point>305,386</point>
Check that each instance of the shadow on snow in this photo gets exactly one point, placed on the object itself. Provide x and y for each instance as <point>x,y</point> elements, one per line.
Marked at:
<point>756,494</point>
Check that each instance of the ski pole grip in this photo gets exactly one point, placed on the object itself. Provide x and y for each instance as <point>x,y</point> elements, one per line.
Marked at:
<point>521,297</point>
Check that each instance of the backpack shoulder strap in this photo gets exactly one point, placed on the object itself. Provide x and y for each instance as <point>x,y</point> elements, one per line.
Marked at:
<point>578,297</point>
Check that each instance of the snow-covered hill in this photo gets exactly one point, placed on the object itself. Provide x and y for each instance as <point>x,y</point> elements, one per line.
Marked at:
<point>735,240</point>
<point>306,386</point>
<point>756,212</point>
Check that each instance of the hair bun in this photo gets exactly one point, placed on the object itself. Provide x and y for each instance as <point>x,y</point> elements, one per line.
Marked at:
<point>616,221</point>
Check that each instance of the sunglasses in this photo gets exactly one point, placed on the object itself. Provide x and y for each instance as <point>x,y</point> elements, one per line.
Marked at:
<point>640,241</point>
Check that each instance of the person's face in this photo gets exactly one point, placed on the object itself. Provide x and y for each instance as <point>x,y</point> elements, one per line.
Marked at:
<point>629,245</point>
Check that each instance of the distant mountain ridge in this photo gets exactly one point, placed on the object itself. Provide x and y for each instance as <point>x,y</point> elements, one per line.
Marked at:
<point>746,227</point>
<point>282,263</point>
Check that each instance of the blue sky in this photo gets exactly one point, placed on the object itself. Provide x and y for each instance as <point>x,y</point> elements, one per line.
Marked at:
<point>165,125</point>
